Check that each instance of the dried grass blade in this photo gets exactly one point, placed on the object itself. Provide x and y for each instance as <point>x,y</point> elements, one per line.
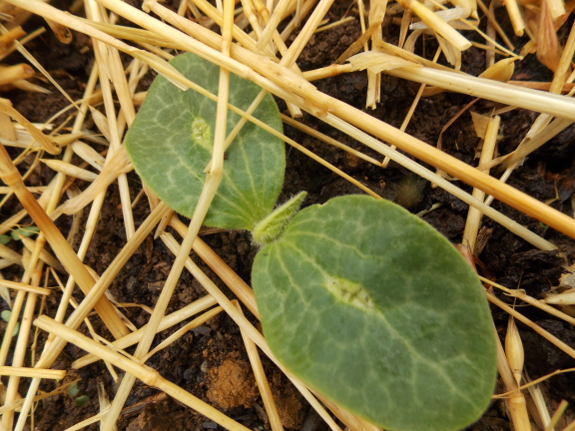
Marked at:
<point>548,336</point>
<point>10,255</point>
<point>548,47</point>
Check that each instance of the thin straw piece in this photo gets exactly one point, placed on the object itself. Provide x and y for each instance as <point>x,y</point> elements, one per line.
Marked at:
<point>261,380</point>
<point>25,287</point>
<point>32,372</point>
<point>474,216</point>
<point>557,415</point>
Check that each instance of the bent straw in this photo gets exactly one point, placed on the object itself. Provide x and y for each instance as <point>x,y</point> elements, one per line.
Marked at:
<point>144,373</point>
<point>16,73</point>
<point>473,221</point>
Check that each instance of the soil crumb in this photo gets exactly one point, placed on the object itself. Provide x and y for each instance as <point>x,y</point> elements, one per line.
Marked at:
<point>289,404</point>
<point>232,385</point>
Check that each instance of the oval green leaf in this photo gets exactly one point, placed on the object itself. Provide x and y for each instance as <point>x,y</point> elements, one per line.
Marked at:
<point>82,400</point>
<point>377,311</point>
<point>170,144</point>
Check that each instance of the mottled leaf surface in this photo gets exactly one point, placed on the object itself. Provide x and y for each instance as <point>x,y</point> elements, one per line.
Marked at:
<point>376,310</point>
<point>170,144</point>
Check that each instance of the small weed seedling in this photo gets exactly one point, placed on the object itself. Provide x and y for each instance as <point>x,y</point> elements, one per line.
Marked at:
<point>363,301</point>
<point>79,400</point>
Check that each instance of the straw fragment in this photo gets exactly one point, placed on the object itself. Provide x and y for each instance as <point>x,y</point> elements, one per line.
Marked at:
<point>32,372</point>
<point>25,287</point>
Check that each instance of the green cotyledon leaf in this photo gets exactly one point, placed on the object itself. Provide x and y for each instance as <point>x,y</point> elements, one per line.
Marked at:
<point>377,311</point>
<point>170,144</point>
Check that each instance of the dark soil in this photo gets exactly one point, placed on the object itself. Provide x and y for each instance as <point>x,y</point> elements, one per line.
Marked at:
<point>211,362</point>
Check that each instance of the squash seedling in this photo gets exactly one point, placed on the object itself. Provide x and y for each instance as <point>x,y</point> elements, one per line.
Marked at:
<point>363,301</point>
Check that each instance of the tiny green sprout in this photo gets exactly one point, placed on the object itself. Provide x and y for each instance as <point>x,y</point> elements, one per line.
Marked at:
<point>82,400</point>
<point>366,303</point>
<point>543,226</point>
<point>73,390</point>
<point>271,227</point>
<point>4,239</point>
<point>5,315</point>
